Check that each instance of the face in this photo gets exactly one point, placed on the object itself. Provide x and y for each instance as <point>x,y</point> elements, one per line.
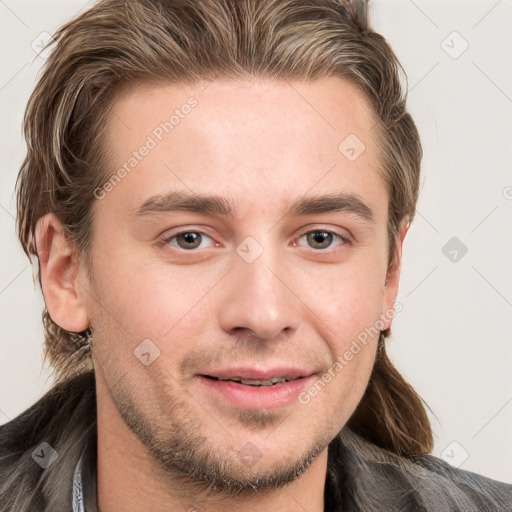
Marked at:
<point>259,281</point>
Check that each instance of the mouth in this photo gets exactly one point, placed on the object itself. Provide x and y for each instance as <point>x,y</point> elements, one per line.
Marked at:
<point>276,392</point>
<point>254,382</point>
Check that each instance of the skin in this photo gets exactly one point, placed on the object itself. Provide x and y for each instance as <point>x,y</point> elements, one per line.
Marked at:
<point>165,442</point>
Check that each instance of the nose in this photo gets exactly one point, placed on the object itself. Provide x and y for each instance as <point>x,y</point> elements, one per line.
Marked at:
<point>258,296</point>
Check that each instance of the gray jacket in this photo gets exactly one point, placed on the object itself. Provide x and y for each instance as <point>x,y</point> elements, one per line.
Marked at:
<point>48,463</point>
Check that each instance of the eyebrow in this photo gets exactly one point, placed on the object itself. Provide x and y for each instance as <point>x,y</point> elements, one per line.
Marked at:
<point>216,205</point>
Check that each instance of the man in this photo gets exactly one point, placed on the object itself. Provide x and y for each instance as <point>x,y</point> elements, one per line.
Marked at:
<point>218,193</point>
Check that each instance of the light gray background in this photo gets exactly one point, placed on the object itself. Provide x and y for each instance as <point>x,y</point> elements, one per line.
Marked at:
<point>452,339</point>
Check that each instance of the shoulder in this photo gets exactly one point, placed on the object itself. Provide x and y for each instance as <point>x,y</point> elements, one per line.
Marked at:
<point>39,448</point>
<point>482,492</point>
<point>377,478</point>
<point>52,412</point>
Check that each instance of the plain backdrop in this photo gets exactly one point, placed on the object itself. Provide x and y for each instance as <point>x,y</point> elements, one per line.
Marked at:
<point>452,340</point>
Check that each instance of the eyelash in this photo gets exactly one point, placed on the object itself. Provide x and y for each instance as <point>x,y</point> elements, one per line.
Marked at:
<point>167,240</point>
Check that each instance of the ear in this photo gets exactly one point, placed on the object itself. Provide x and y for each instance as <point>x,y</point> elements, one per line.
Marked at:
<point>393,276</point>
<point>59,271</point>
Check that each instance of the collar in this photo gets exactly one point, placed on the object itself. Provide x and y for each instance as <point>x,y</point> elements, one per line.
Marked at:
<point>78,491</point>
<point>84,482</point>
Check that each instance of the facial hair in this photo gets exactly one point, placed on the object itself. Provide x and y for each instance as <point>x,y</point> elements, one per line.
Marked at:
<point>196,465</point>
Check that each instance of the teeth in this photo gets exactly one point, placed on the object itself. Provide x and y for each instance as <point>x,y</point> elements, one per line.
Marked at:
<point>253,382</point>
<point>270,382</point>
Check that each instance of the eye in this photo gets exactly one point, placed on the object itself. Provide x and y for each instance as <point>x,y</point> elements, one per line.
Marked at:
<point>186,240</point>
<point>322,239</point>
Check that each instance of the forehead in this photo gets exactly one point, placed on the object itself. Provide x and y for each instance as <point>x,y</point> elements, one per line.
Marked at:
<point>263,138</point>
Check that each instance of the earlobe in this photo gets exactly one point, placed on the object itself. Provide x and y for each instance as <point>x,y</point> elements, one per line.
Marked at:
<point>59,273</point>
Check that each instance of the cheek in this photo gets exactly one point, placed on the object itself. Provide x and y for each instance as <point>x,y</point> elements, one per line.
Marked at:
<point>348,300</point>
<point>339,389</point>
<point>150,299</point>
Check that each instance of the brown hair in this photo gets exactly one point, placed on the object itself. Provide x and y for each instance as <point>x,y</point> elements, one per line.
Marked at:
<point>119,43</point>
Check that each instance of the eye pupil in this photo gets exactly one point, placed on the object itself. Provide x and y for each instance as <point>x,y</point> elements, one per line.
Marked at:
<point>320,237</point>
<point>189,238</point>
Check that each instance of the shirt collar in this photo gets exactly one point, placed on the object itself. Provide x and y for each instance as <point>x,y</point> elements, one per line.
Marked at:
<point>84,481</point>
<point>78,491</point>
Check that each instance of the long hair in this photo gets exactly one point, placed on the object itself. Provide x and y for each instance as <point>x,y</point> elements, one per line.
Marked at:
<point>119,43</point>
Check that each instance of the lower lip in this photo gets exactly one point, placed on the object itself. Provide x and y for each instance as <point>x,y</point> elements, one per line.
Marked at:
<point>264,397</point>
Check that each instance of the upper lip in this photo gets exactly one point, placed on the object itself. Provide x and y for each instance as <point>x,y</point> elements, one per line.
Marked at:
<point>256,372</point>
